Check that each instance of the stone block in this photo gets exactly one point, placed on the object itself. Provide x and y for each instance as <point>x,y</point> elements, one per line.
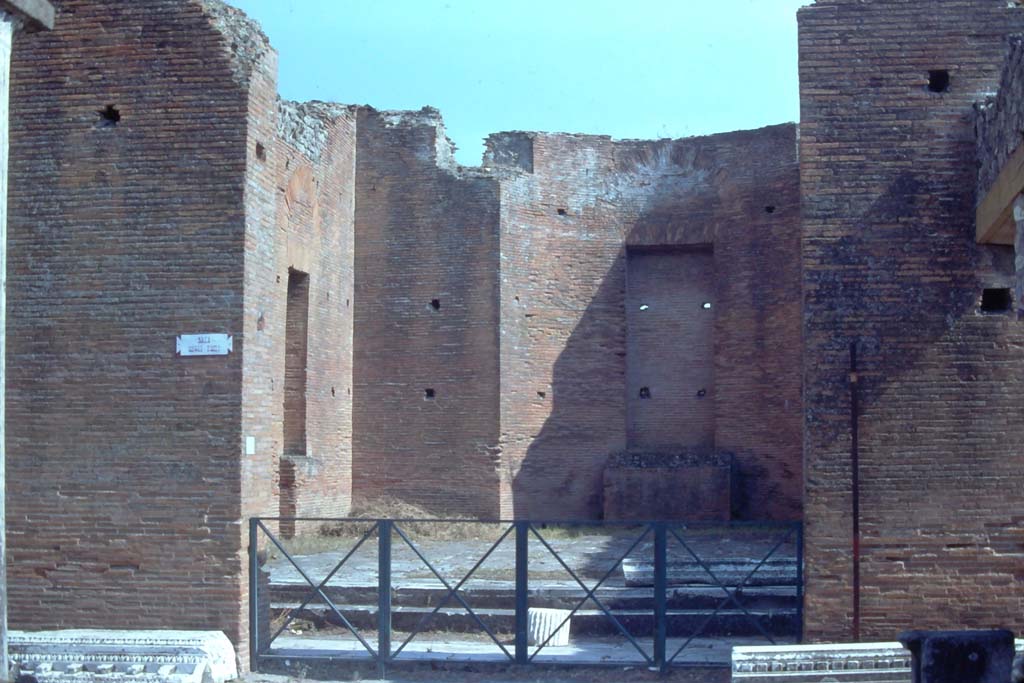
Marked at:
<point>110,655</point>
<point>548,627</point>
<point>885,662</point>
<point>984,656</point>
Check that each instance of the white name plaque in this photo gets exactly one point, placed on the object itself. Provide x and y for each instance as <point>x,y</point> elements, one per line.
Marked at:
<point>204,344</point>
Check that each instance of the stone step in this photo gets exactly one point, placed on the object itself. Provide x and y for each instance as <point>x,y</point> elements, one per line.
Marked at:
<point>565,597</point>
<point>591,622</point>
<point>774,572</point>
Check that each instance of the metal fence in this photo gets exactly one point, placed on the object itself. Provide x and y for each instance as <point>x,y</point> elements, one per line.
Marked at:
<point>658,548</point>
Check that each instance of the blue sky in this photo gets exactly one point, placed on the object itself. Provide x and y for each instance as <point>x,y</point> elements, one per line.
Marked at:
<point>630,69</point>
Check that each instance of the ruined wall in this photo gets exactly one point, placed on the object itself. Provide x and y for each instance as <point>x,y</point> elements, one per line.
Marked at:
<point>425,395</point>
<point>314,236</point>
<point>999,117</point>
<point>123,460</point>
<point>998,123</point>
<point>571,207</point>
<point>890,263</point>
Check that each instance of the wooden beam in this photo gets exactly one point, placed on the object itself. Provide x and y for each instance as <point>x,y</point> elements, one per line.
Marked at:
<point>38,13</point>
<point>995,224</point>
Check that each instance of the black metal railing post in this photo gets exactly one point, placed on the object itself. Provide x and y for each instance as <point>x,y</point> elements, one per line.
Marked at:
<point>522,591</point>
<point>660,590</point>
<point>254,597</point>
<point>383,594</point>
<point>800,580</point>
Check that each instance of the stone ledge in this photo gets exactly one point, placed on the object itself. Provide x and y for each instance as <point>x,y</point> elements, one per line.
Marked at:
<point>109,655</point>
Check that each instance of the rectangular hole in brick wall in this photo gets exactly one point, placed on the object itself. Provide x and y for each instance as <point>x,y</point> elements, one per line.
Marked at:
<point>996,300</point>
<point>938,80</point>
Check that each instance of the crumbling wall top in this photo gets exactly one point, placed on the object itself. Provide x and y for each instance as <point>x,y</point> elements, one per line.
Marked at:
<point>429,117</point>
<point>307,125</point>
<point>443,152</point>
<point>244,40</point>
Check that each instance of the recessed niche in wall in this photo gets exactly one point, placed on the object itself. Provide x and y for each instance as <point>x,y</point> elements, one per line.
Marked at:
<point>261,151</point>
<point>938,80</point>
<point>645,392</point>
<point>428,394</point>
<point>701,393</point>
<point>541,394</point>
<point>435,304</point>
<point>996,300</point>
<point>769,209</point>
<point>563,212</point>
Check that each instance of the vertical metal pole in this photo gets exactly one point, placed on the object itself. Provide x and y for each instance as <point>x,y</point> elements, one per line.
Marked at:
<point>383,593</point>
<point>800,580</point>
<point>660,590</point>
<point>7,25</point>
<point>855,486</point>
<point>522,591</point>
<point>254,597</point>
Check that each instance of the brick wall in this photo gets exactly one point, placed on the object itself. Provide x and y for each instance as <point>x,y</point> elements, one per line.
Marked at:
<point>300,215</point>
<point>888,174</point>
<point>130,476</point>
<point>670,348</point>
<point>123,460</point>
<point>425,404</point>
<point>571,207</point>
<point>562,331</point>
